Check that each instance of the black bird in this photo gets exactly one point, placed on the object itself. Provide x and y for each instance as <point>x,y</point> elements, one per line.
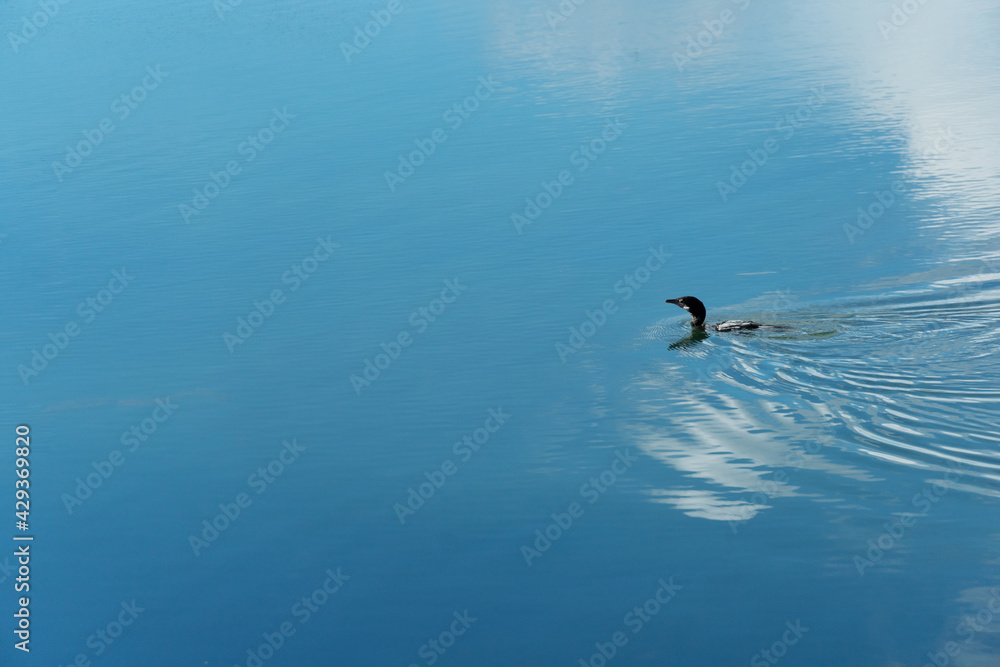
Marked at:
<point>697,310</point>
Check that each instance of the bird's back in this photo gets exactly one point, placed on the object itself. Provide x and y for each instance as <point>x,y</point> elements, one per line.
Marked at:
<point>735,325</point>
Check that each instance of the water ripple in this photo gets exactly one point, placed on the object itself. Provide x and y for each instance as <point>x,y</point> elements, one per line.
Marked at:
<point>904,379</point>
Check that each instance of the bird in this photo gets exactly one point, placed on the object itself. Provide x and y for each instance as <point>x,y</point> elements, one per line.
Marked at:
<point>697,310</point>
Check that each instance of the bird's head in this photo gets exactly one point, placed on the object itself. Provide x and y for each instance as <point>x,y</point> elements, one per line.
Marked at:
<point>693,306</point>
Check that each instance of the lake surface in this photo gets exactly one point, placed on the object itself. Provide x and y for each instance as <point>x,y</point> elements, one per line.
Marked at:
<point>351,349</point>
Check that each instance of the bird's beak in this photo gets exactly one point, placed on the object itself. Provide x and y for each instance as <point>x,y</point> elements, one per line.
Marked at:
<point>673,301</point>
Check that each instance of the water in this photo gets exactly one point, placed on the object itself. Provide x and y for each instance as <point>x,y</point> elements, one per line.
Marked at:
<point>825,494</point>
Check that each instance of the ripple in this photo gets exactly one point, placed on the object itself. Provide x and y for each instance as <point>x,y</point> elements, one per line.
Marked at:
<point>906,379</point>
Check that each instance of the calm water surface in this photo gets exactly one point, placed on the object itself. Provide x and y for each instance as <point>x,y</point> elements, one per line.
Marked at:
<point>386,376</point>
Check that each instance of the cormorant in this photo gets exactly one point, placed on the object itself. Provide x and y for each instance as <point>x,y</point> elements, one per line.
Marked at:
<point>697,310</point>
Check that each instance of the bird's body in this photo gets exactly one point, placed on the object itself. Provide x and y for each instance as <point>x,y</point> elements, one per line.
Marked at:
<point>698,312</point>
<point>733,325</point>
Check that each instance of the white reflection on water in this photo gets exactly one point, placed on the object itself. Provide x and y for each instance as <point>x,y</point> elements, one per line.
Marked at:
<point>949,125</point>
<point>735,445</point>
<point>743,416</point>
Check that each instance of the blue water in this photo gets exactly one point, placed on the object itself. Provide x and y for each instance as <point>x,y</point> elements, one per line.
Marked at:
<point>435,423</point>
